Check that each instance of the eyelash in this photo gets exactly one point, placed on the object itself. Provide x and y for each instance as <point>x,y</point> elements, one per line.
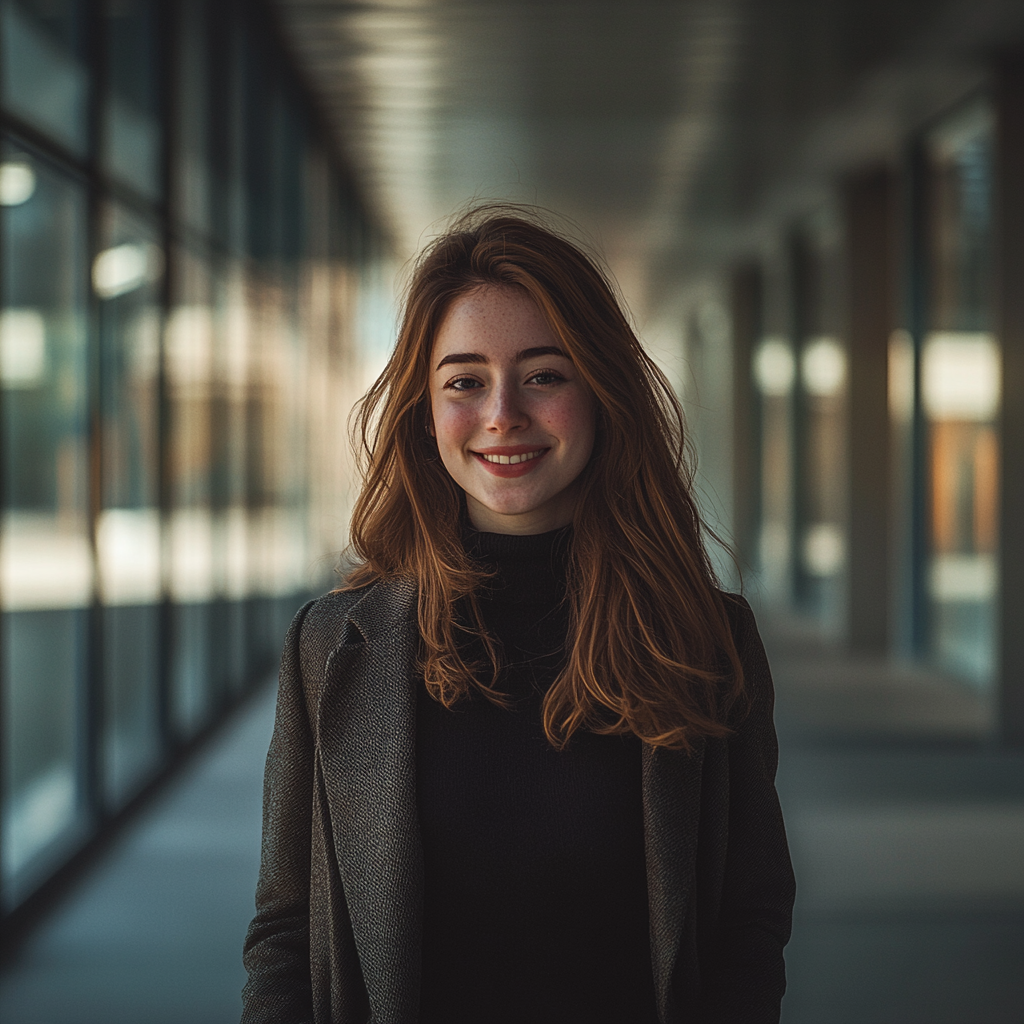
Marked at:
<point>556,378</point>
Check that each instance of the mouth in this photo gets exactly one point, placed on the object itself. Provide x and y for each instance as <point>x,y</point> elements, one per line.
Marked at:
<point>510,458</point>
<point>510,461</point>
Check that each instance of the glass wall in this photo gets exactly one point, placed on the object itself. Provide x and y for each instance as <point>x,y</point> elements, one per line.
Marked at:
<point>46,555</point>
<point>960,387</point>
<point>181,267</point>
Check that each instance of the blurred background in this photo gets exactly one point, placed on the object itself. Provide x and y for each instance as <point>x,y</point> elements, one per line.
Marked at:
<point>814,210</point>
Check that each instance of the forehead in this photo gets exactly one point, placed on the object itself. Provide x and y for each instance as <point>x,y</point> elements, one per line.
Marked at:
<point>491,319</point>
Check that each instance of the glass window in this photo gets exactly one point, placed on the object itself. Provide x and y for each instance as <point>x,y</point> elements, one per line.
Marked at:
<point>125,276</point>
<point>44,79</point>
<point>227,123</point>
<point>191,198</point>
<point>235,431</point>
<point>131,136</point>
<point>46,568</point>
<point>960,385</point>
<point>262,154</point>
<point>188,369</point>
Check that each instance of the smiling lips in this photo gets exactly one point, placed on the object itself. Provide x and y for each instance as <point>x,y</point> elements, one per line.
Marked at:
<point>510,461</point>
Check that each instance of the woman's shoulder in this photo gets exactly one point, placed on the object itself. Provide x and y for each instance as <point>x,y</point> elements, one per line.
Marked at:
<point>741,615</point>
<point>329,620</point>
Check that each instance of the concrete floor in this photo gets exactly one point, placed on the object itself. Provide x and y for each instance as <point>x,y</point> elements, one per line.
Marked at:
<point>906,823</point>
<point>153,935</point>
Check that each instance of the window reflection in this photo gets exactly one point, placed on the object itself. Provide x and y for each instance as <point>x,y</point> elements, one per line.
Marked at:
<point>125,275</point>
<point>46,569</point>
<point>188,368</point>
<point>131,111</point>
<point>191,179</point>
<point>157,406</point>
<point>960,379</point>
<point>43,77</point>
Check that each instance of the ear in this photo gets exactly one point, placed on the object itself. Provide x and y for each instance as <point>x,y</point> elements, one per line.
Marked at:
<point>430,425</point>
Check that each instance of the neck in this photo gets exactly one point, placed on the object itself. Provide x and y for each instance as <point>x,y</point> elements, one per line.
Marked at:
<point>552,515</point>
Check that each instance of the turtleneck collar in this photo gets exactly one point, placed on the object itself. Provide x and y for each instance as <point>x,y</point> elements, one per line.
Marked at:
<point>500,547</point>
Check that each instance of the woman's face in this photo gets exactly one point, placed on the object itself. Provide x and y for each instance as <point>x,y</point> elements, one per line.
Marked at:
<point>513,421</point>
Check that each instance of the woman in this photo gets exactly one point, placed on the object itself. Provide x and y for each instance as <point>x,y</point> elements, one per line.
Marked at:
<point>523,764</point>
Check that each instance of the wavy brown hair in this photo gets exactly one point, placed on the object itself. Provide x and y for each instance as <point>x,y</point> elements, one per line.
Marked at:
<point>650,650</point>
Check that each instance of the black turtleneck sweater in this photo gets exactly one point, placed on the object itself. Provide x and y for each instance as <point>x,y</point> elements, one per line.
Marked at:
<point>535,881</point>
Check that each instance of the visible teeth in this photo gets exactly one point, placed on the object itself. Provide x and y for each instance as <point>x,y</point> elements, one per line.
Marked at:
<point>513,460</point>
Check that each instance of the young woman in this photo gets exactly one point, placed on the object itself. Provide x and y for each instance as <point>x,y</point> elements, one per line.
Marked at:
<point>523,764</point>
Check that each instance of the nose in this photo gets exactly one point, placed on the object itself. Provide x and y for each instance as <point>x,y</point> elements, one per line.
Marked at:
<point>506,410</point>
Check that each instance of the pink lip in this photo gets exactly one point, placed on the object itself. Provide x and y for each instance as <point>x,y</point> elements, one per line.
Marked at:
<point>506,471</point>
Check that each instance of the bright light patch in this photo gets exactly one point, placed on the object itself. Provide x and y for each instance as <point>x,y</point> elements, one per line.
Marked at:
<point>823,367</point>
<point>824,550</point>
<point>124,268</point>
<point>128,548</point>
<point>17,183</point>
<point>962,578</point>
<point>773,367</point>
<point>22,348</point>
<point>42,809</point>
<point>960,376</point>
<point>901,376</point>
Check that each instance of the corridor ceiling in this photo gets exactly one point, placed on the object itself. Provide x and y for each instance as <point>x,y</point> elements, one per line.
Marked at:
<point>672,131</point>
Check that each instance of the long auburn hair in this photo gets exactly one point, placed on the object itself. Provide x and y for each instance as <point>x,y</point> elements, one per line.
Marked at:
<point>649,648</point>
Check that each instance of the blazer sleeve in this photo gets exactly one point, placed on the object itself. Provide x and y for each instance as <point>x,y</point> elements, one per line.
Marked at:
<point>748,974</point>
<point>276,951</point>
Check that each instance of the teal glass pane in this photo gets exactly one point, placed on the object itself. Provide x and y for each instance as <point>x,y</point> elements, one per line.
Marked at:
<point>46,567</point>
<point>960,376</point>
<point>43,79</point>
<point>126,276</point>
<point>132,137</point>
<point>188,367</point>
<point>191,157</point>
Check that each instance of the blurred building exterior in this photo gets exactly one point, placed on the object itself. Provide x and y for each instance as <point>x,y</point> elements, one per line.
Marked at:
<point>814,209</point>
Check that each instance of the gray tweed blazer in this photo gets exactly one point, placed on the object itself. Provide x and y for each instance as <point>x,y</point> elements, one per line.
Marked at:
<point>336,936</point>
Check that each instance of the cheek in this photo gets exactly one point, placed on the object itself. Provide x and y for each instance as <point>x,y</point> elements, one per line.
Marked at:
<point>573,420</point>
<point>451,424</point>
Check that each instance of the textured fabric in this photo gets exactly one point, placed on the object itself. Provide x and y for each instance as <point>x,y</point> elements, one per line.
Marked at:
<point>339,902</point>
<point>535,884</point>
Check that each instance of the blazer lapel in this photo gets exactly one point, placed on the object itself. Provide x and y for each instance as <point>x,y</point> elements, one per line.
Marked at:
<point>671,796</point>
<point>367,751</point>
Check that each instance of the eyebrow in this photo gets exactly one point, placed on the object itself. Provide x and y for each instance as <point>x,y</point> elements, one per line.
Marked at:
<point>521,357</point>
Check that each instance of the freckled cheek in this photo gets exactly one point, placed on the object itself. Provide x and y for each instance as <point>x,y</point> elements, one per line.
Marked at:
<point>573,420</point>
<point>453,427</point>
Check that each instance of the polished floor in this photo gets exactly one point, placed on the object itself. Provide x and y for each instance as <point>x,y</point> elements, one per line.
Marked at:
<point>906,823</point>
<point>154,933</point>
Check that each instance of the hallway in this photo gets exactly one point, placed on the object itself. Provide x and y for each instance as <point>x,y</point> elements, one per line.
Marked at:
<point>907,844</point>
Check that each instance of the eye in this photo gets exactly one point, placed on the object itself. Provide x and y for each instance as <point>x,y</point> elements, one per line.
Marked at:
<point>462,384</point>
<point>546,378</point>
